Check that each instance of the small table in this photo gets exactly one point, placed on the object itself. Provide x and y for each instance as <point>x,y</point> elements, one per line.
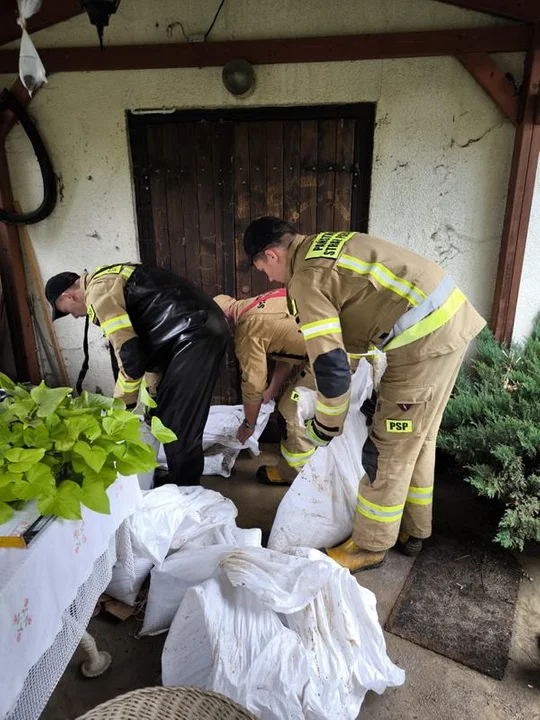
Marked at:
<point>48,593</point>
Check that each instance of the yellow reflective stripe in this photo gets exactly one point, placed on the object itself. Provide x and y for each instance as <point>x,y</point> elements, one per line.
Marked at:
<point>120,322</point>
<point>329,410</point>
<point>296,459</point>
<point>125,270</point>
<point>420,495</point>
<point>430,323</point>
<point>128,385</point>
<point>384,277</point>
<point>328,326</point>
<point>379,513</point>
<point>359,356</point>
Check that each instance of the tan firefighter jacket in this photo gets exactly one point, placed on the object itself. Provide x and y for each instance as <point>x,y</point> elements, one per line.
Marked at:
<point>351,291</point>
<point>103,293</point>
<point>262,329</point>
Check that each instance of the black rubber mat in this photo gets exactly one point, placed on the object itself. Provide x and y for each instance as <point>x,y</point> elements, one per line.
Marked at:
<point>459,601</point>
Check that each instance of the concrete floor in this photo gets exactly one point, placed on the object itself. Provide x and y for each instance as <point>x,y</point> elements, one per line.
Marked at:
<point>436,688</point>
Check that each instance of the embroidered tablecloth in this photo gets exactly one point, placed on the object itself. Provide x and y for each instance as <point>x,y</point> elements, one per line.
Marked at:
<point>39,583</point>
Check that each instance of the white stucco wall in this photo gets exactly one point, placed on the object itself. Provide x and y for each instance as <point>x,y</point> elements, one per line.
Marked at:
<point>441,158</point>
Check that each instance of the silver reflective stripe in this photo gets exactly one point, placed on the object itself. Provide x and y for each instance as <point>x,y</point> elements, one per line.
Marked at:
<point>433,301</point>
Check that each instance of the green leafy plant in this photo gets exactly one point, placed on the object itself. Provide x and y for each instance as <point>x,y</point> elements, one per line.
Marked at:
<point>492,427</point>
<point>63,451</point>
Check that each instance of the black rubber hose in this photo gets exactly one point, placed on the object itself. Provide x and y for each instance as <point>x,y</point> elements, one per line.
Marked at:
<point>9,102</point>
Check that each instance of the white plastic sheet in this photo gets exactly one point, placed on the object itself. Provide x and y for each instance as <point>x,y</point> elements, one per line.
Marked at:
<point>289,637</point>
<point>31,70</point>
<point>318,509</point>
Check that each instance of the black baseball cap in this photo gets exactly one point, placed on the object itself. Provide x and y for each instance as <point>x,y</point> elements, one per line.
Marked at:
<point>264,232</point>
<point>55,287</point>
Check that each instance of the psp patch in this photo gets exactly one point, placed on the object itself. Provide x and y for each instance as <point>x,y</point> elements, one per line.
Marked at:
<point>399,426</point>
<point>328,244</point>
<point>295,396</point>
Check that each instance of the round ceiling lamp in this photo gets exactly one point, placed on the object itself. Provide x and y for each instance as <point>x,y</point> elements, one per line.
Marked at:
<point>238,76</point>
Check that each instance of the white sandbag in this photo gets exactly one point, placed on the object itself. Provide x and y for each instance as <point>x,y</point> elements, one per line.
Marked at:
<point>318,509</point>
<point>125,586</point>
<point>171,517</point>
<point>184,569</point>
<point>220,446</point>
<point>288,637</point>
<point>222,637</point>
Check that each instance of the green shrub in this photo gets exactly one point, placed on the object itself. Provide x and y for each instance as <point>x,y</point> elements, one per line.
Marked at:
<point>63,451</point>
<point>492,427</point>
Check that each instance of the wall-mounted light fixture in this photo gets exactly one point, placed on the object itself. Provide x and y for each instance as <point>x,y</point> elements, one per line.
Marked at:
<point>238,76</point>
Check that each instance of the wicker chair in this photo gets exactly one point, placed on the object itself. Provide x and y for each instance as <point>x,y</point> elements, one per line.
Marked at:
<point>160,703</point>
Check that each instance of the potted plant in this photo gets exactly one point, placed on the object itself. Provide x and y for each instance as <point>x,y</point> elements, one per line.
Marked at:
<point>64,451</point>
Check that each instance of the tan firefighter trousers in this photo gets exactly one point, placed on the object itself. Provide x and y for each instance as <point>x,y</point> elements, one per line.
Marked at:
<point>396,493</point>
<point>296,449</point>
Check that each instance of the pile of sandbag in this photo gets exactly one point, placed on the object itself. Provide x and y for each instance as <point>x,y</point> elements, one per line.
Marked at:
<point>172,518</point>
<point>289,636</point>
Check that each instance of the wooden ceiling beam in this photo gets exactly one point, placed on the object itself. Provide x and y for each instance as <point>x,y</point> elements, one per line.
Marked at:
<point>519,199</point>
<point>523,10</point>
<point>494,81</point>
<point>424,43</point>
<point>50,13</point>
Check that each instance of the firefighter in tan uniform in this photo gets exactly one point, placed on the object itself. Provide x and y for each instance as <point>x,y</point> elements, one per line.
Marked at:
<point>159,326</point>
<point>350,291</point>
<point>263,328</point>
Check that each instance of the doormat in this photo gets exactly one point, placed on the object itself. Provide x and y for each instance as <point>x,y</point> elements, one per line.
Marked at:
<point>459,601</point>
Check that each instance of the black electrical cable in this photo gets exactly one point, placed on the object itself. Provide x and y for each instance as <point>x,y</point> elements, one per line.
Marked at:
<point>207,33</point>
<point>9,102</point>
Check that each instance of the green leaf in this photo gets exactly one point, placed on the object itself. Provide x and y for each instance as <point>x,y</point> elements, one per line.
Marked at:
<point>94,456</point>
<point>37,437</point>
<point>112,425</point>
<point>146,398</point>
<point>6,383</point>
<point>162,433</point>
<point>92,401</point>
<point>9,493</point>
<point>52,420</point>
<point>22,409</point>
<point>65,502</point>
<point>6,478</point>
<point>39,481</point>
<point>93,495</point>
<point>48,399</point>
<point>6,511</point>
<point>106,476</point>
<point>82,425</point>
<point>23,455</point>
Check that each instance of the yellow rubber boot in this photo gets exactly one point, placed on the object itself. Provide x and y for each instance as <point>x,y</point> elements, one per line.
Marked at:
<point>355,559</point>
<point>270,475</point>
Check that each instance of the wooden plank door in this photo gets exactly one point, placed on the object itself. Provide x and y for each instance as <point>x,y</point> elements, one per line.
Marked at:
<point>200,178</point>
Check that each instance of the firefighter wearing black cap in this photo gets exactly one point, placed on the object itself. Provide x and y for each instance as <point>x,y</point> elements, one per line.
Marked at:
<point>159,323</point>
<point>351,291</point>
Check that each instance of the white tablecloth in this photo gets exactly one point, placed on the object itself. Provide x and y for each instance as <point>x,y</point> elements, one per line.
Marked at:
<point>38,584</point>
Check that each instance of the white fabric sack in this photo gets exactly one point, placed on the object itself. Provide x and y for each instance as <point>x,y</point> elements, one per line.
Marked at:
<point>31,70</point>
<point>220,446</point>
<point>125,586</point>
<point>318,509</point>
<point>171,517</point>
<point>179,572</point>
<point>288,637</point>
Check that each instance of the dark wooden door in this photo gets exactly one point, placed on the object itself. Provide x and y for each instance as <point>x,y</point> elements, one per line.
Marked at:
<point>201,177</point>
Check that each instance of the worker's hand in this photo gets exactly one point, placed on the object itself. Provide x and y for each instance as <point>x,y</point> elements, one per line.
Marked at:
<point>244,433</point>
<point>269,394</point>
<point>315,435</point>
